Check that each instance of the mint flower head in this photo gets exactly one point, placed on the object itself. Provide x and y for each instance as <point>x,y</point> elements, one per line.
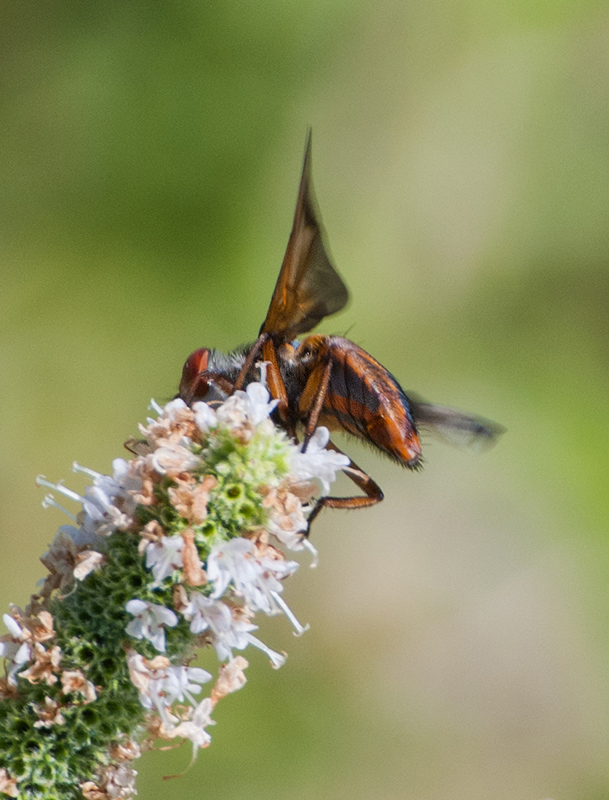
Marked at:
<point>178,548</point>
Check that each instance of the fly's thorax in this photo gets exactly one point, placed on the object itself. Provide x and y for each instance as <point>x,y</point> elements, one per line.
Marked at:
<point>297,362</point>
<point>229,364</point>
<point>312,350</point>
<point>286,351</point>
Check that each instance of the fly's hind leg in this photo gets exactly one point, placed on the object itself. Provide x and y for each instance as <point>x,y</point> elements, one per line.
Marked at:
<point>372,491</point>
<point>311,404</point>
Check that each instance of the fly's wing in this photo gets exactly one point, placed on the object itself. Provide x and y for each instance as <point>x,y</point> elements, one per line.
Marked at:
<point>455,427</point>
<point>308,288</point>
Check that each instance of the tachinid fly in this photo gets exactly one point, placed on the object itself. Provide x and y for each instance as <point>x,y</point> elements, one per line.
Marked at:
<point>326,380</point>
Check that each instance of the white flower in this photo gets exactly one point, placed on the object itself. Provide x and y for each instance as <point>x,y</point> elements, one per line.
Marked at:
<point>160,684</point>
<point>175,421</point>
<point>171,458</point>
<point>129,481</point>
<point>231,561</point>
<point>111,486</point>
<point>317,463</point>
<point>232,413</point>
<point>180,683</point>
<point>18,654</point>
<point>102,514</point>
<point>120,781</point>
<point>174,410</point>
<point>87,561</point>
<point>163,557</point>
<point>230,630</point>
<point>15,647</point>
<point>142,672</point>
<point>205,613</point>
<point>168,684</point>
<point>194,728</point>
<point>234,561</point>
<point>287,521</point>
<point>248,408</point>
<point>205,417</point>
<point>14,627</point>
<point>231,678</point>
<point>292,537</point>
<point>149,622</point>
<point>258,400</point>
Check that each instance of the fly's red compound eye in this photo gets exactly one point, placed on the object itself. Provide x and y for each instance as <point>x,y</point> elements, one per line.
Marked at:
<point>196,363</point>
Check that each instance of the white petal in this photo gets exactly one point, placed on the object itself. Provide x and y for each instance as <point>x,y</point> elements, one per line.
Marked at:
<point>136,606</point>
<point>205,417</point>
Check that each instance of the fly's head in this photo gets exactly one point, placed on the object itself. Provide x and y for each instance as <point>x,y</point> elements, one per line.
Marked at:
<point>208,375</point>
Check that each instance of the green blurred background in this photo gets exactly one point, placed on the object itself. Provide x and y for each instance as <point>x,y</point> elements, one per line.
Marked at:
<point>149,161</point>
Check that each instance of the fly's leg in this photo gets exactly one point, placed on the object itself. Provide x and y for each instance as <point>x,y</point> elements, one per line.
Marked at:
<point>311,405</point>
<point>312,399</point>
<point>372,491</point>
<point>273,376</point>
<point>249,361</point>
<point>201,384</point>
<point>277,386</point>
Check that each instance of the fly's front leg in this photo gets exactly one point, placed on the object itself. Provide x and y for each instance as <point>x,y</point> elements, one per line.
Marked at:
<point>200,386</point>
<point>249,361</point>
<point>277,386</point>
<point>372,491</point>
<point>274,380</point>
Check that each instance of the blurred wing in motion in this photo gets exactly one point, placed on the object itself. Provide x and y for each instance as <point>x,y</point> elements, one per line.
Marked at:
<point>308,288</point>
<point>455,427</point>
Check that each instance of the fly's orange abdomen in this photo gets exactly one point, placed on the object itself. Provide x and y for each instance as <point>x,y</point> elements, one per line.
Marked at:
<point>364,399</point>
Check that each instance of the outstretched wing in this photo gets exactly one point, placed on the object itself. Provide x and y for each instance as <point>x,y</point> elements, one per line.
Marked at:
<point>308,288</point>
<point>455,427</point>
